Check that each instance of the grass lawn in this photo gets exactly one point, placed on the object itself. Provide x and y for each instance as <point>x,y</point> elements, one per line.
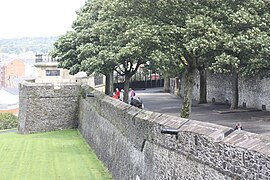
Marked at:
<point>53,155</point>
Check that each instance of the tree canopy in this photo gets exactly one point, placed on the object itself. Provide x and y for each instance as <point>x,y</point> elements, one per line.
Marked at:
<point>120,35</point>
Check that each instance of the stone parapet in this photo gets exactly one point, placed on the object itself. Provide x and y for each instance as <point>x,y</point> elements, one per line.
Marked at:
<point>143,145</point>
<point>138,144</point>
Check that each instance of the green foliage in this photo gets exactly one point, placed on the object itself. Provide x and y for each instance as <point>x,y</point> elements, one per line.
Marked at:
<point>246,39</point>
<point>20,45</point>
<point>227,36</point>
<point>8,121</point>
<point>65,52</point>
<point>225,63</point>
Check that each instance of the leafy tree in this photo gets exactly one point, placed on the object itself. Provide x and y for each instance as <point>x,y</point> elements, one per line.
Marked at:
<point>167,65</point>
<point>126,37</point>
<point>93,53</point>
<point>65,52</point>
<point>81,49</point>
<point>246,42</point>
<point>186,32</point>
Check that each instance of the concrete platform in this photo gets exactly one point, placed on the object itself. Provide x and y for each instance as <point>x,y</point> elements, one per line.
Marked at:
<point>252,120</point>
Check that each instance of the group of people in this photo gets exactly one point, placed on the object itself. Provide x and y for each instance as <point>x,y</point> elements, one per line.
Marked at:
<point>133,99</point>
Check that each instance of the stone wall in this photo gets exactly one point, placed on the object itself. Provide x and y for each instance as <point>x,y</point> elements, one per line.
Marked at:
<point>47,107</point>
<point>131,144</point>
<point>254,92</point>
<point>141,145</point>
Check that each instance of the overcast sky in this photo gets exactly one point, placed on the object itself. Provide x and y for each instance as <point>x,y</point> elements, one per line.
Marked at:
<point>35,18</point>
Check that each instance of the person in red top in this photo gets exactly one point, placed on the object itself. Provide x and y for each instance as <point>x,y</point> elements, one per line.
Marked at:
<point>115,96</point>
<point>117,92</point>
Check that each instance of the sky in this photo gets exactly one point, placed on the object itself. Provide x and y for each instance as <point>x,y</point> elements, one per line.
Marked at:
<point>37,18</point>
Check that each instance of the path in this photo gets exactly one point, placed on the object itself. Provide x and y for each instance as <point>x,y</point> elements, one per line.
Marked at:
<point>253,121</point>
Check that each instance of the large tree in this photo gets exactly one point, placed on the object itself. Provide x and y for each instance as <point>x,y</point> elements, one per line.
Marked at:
<point>127,37</point>
<point>65,52</point>
<point>245,46</point>
<point>92,53</point>
<point>187,32</point>
<point>85,51</point>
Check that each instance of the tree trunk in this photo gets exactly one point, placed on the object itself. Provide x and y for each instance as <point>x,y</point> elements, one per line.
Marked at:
<point>177,86</point>
<point>166,86</point>
<point>235,94</point>
<point>109,84</point>
<point>189,76</point>
<point>203,88</point>
<point>126,89</point>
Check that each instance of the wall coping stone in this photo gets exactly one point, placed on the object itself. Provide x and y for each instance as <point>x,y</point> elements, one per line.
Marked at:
<point>148,115</point>
<point>170,121</point>
<point>214,131</point>
<point>249,141</point>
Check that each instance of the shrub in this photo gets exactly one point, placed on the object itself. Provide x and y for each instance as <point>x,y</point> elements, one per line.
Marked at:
<point>8,121</point>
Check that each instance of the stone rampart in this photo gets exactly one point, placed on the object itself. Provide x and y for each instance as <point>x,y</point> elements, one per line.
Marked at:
<point>253,92</point>
<point>47,107</point>
<point>141,145</point>
<point>137,144</point>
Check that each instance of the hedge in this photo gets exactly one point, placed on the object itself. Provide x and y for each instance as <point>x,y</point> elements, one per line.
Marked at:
<point>8,121</point>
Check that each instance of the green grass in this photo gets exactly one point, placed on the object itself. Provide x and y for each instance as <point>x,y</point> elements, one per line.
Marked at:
<point>53,155</point>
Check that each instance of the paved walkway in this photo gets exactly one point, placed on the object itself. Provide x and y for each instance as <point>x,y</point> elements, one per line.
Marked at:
<point>252,120</point>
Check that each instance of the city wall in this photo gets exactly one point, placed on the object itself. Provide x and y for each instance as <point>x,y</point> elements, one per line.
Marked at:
<point>253,92</point>
<point>47,107</point>
<point>143,145</point>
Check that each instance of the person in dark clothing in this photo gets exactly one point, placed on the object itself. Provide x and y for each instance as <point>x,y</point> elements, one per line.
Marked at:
<point>238,127</point>
<point>137,102</point>
<point>134,102</point>
<point>140,103</point>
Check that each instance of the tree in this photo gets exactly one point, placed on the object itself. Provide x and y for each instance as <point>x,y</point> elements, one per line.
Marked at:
<point>81,50</point>
<point>187,32</point>
<point>167,65</point>
<point>245,46</point>
<point>92,53</point>
<point>65,52</point>
<point>127,38</point>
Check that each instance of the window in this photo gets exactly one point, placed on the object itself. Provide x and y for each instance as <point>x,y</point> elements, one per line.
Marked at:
<point>98,79</point>
<point>52,72</point>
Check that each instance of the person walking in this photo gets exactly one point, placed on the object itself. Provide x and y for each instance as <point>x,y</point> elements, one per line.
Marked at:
<point>122,95</point>
<point>131,93</point>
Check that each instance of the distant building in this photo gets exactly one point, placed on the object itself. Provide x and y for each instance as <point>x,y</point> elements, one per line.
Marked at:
<point>48,72</point>
<point>11,70</point>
